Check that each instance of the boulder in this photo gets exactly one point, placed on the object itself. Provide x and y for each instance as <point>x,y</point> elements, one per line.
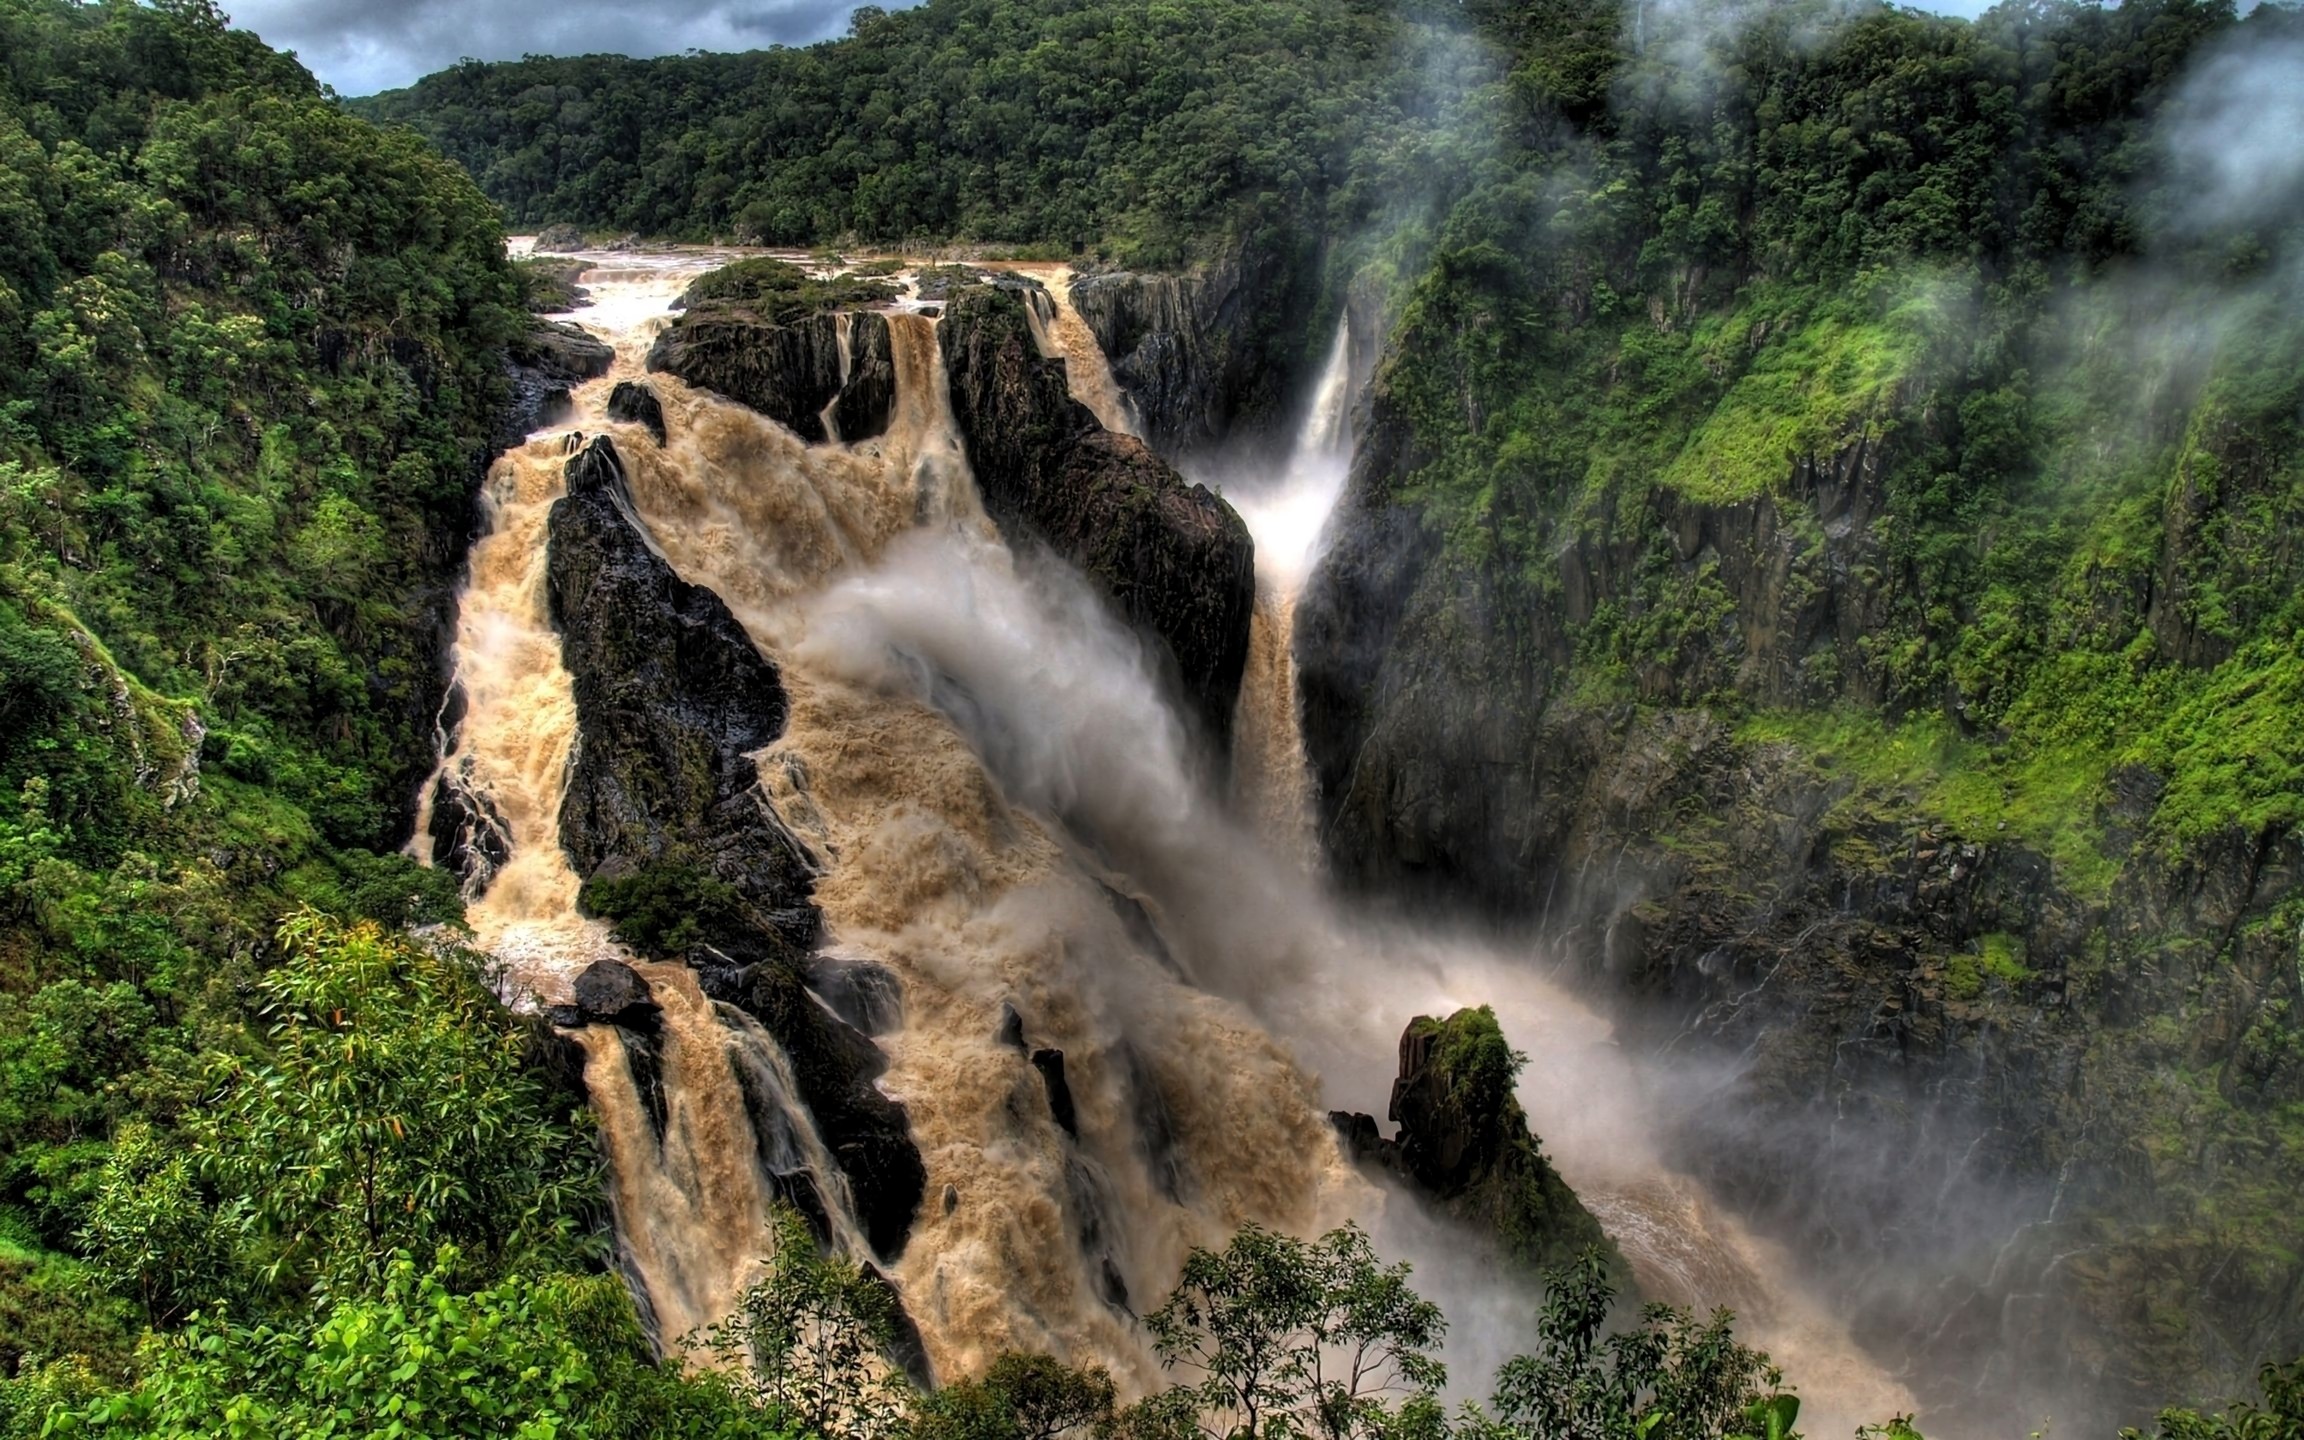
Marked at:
<point>613,992</point>
<point>543,364</point>
<point>634,402</point>
<point>1174,559</point>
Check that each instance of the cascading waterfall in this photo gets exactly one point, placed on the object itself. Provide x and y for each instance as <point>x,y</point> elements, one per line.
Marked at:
<point>1271,777</point>
<point>1011,818</point>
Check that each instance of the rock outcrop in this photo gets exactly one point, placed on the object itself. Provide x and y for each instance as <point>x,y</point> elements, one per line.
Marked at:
<point>1203,353</point>
<point>1175,559</point>
<point>1465,1146</point>
<point>665,819</point>
<point>544,363</point>
<point>633,402</point>
<point>790,371</point>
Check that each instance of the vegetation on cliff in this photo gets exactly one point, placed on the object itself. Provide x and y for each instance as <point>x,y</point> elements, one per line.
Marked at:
<point>1850,455</point>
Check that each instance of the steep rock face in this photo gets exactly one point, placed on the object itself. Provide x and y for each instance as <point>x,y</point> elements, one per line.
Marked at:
<point>2009,1029</point>
<point>544,363</point>
<point>789,372</point>
<point>664,816</point>
<point>1175,559</point>
<point>1205,352</point>
<point>1464,1144</point>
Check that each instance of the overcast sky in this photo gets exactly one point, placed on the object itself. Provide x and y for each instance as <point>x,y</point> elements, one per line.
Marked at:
<point>362,46</point>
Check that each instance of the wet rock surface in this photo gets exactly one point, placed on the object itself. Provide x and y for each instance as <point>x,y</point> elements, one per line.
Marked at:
<point>1174,559</point>
<point>664,815</point>
<point>544,363</point>
<point>633,402</point>
<point>789,371</point>
<point>1205,353</point>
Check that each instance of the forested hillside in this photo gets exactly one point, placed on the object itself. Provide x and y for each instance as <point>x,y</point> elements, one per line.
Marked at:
<point>1153,133</point>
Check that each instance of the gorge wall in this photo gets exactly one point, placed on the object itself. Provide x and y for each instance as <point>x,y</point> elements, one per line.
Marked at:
<point>2031,1041</point>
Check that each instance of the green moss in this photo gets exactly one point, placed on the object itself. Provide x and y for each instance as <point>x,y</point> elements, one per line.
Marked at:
<point>1813,383</point>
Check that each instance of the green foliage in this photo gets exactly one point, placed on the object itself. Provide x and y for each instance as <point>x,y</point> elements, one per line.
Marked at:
<point>783,292</point>
<point>1297,1338</point>
<point>1670,1377</point>
<point>806,1342</point>
<point>2279,1417</point>
<point>1022,1397</point>
<point>1153,130</point>
<point>420,1358</point>
<point>662,908</point>
<point>392,1109</point>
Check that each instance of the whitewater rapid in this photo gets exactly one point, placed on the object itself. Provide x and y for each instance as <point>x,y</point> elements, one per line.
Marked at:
<point>1005,804</point>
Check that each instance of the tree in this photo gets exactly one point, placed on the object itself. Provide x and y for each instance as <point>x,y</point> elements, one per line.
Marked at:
<point>393,1108</point>
<point>1022,1397</point>
<point>808,1341</point>
<point>1668,1378</point>
<point>1296,1337</point>
<point>2280,1417</point>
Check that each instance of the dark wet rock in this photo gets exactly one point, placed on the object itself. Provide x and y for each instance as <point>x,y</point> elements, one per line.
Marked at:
<point>1050,1064</point>
<point>559,239</point>
<point>862,992</point>
<point>834,1065</point>
<point>1011,1031</point>
<point>543,364</point>
<point>1465,1146</point>
<point>644,1060</point>
<point>1155,1125</point>
<point>613,992</point>
<point>787,372</point>
<point>951,1198</point>
<point>1205,353</point>
<point>787,369</point>
<point>868,398</point>
<point>672,698</point>
<point>664,815</point>
<point>906,1350</point>
<point>469,835</point>
<point>634,402</point>
<point>1174,559</point>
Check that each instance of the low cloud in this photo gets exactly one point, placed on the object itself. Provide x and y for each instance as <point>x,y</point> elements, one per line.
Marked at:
<point>362,46</point>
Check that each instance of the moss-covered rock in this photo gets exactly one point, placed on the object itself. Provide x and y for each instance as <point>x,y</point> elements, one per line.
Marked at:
<point>1464,1144</point>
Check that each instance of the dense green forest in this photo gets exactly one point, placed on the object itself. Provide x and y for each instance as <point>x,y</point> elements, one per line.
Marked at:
<point>1150,132</point>
<point>253,354</point>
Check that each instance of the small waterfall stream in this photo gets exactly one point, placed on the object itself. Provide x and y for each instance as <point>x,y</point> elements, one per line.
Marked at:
<point>961,718</point>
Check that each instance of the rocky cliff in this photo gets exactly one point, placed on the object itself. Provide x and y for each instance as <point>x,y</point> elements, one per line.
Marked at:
<point>1175,560</point>
<point>666,821</point>
<point>2061,1016</point>
<point>1464,1145</point>
<point>794,370</point>
<point>1207,352</point>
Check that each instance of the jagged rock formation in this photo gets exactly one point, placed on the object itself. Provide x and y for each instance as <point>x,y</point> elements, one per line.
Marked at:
<point>1204,352</point>
<point>544,363</point>
<point>1175,559</point>
<point>665,820</point>
<point>632,402</point>
<point>789,371</point>
<point>1464,1144</point>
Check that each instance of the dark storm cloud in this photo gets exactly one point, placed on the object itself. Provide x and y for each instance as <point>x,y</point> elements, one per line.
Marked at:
<point>361,46</point>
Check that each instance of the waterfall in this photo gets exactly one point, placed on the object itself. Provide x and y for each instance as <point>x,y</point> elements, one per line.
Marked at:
<point>1286,514</point>
<point>1013,822</point>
